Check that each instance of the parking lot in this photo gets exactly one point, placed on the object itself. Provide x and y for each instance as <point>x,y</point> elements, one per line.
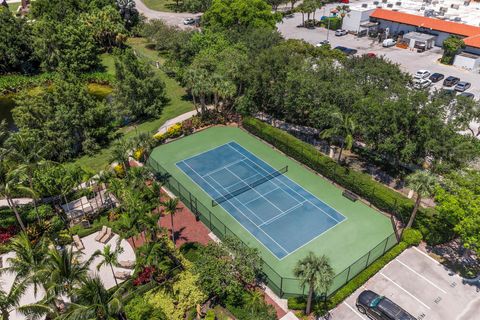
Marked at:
<point>410,61</point>
<point>421,286</point>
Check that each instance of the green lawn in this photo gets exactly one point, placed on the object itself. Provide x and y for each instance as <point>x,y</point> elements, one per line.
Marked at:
<point>162,5</point>
<point>349,242</point>
<point>178,104</point>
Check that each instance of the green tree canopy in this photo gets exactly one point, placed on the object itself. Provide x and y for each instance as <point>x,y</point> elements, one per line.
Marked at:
<point>239,14</point>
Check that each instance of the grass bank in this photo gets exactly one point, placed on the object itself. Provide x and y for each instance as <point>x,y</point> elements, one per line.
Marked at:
<point>178,104</point>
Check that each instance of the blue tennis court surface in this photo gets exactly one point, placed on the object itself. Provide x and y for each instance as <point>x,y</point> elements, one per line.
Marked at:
<point>279,213</point>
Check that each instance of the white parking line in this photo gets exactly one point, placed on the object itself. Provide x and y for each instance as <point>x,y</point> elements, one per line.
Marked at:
<point>418,274</point>
<point>411,295</point>
<point>355,311</point>
<point>426,255</point>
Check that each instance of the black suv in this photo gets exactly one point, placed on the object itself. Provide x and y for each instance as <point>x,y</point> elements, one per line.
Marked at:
<point>451,81</point>
<point>346,50</point>
<point>380,308</point>
<point>435,77</point>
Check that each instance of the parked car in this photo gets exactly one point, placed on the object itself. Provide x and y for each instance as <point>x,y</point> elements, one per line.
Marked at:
<point>422,83</point>
<point>381,308</point>
<point>389,43</point>
<point>421,74</point>
<point>435,77</point>
<point>450,81</point>
<point>448,93</point>
<point>322,43</point>
<point>347,51</point>
<point>340,32</point>
<point>462,86</point>
<point>467,95</point>
<point>188,21</point>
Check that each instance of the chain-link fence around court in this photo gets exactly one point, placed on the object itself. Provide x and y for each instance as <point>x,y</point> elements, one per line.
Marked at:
<point>282,286</point>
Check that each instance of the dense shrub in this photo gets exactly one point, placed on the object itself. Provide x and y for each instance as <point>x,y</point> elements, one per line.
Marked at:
<point>191,250</point>
<point>366,274</point>
<point>139,309</point>
<point>377,194</point>
<point>412,237</point>
<point>297,303</point>
<point>7,233</point>
<point>210,315</point>
<point>243,309</point>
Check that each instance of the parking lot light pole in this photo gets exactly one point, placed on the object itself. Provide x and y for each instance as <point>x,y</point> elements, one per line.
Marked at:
<point>328,28</point>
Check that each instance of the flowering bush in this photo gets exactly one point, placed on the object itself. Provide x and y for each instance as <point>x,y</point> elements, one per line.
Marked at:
<point>119,170</point>
<point>138,154</point>
<point>144,276</point>
<point>175,131</point>
<point>7,233</point>
<point>187,127</point>
<point>160,137</point>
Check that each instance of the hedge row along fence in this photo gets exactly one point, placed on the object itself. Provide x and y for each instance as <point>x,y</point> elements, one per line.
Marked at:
<point>377,194</point>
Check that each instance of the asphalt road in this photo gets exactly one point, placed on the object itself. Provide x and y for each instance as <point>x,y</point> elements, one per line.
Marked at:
<point>421,286</point>
<point>171,18</point>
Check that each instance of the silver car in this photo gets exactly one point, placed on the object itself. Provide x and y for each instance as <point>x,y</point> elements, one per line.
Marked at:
<point>462,86</point>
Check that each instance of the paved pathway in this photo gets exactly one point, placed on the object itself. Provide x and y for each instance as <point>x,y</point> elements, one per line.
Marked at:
<point>171,18</point>
<point>19,201</point>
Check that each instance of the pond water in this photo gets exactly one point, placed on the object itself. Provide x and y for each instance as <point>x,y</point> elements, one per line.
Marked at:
<point>7,102</point>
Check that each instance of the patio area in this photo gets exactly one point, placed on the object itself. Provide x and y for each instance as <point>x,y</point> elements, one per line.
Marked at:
<point>91,245</point>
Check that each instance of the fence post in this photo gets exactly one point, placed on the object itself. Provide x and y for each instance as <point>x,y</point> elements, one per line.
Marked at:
<point>210,219</point>
<point>368,258</point>
<point>386,243</point>
<point>281,287</point>
<point>348,273</point>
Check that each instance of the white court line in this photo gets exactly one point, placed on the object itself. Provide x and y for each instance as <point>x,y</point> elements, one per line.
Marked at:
<point>294,190</point>
<point>273,204</point>
<point>261,196</point>
<point>355,311</point>
<point>418,274</point>
<point>241,212</point>
<point>221,168</point>
<point>404,290</point>
<point>282,214</point>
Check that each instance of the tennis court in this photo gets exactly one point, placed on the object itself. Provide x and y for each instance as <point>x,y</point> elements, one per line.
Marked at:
<point>269,205</point>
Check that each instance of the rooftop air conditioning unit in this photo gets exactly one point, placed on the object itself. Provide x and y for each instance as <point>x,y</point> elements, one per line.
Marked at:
<point>466,3</point>
<point>457,19</point>
<point>455,6</point>
<point>398,4</point>
<point>390,5</point>
<point>384,1</point>
<point>375,3</point>
<point>364,5</point>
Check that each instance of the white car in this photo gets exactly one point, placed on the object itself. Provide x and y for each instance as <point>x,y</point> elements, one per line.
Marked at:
<point>422,74</point>
<point>422,83</point>
<point>188,21</point>
<point>340,32</point>
<point>389,43</point>
<point>322,43</point>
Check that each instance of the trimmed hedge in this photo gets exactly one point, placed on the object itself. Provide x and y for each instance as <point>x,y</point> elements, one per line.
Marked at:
<point>366,274</point>
<point>360,183</point>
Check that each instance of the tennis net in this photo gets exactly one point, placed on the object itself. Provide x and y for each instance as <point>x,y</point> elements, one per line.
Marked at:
<point>249,186</point>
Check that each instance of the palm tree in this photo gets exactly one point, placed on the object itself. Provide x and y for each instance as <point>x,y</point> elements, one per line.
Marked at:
<point>110,257</point>
<point>345,128</point>
<point>254,302</point>
<point>315,272</point>
<point>10,300</point>
<point>63,270</point>
<point>198,82</point>
<point>28,258</point>
<point>171,208</point>
<point>8,185</point>
<point>28,154</point>
<point>91,300</point>
<point>146,142</point>
<point>424,184</point>
<point>121,153</point>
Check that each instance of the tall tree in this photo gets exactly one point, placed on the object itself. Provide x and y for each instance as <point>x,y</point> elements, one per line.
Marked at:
<point>109,257</point>
<point>91,300</point>
<point>16,50</point>
<point>10,299</point>
<point>138,92</point>
<point>8,185</point>
<point>424,184</point>
<point>171,208</point>
<point>121,153</point>
<point>26,152</point>
<point>316,273</point>
<point>345,128</point>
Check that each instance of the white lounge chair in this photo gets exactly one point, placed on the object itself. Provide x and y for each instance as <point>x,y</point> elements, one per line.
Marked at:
<point>108,235</point>
<point>127,264</point>
<point>122,275</point>
<point>78,242</point>
<point>101,234</point>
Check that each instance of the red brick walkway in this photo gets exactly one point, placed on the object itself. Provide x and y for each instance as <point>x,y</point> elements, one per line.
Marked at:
<point>187,229</point>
